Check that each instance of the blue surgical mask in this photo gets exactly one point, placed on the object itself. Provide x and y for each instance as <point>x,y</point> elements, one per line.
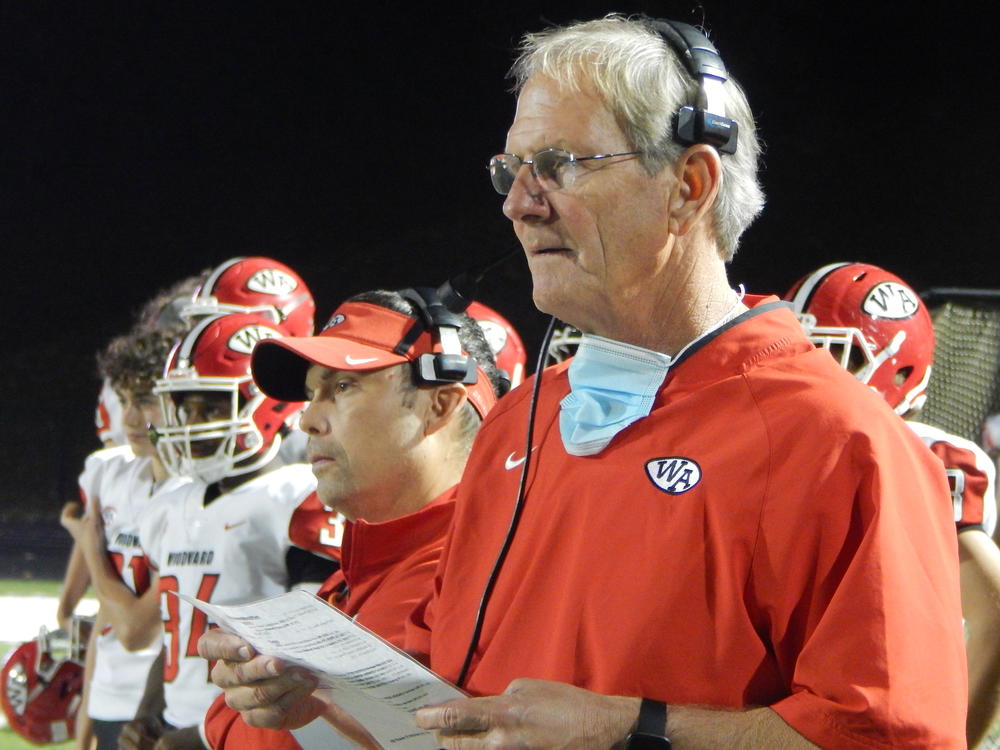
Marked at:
<point>612,385</point>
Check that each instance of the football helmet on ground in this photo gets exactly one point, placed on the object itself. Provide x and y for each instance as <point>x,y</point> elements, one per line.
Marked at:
<point>41,683</point>
<point>874,324</point>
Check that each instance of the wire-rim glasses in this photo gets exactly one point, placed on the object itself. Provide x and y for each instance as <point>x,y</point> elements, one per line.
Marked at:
<point>552,168</point>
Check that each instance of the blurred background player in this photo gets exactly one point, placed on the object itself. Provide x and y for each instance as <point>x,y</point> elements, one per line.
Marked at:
<point>116,485</point>
<point>135,360</point>
<point>225,536</point>
<point>160,313</point>
<point>878,328</point>
<point>359,416</point>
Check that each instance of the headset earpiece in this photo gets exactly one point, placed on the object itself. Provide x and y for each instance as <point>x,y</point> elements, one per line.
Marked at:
<point>706,122</point>
<point>450,365</point>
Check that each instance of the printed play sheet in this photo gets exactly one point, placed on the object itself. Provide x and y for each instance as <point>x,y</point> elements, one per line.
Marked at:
<point>376,683</point>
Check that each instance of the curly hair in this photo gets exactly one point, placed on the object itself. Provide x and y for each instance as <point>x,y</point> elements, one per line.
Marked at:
<point>136,359</point>
<point>162,310</point>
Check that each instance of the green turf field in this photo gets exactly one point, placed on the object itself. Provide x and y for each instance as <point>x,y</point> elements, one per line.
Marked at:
<point>19,587</point>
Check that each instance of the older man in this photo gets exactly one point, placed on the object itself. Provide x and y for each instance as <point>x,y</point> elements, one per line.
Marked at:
<point>706,549</point>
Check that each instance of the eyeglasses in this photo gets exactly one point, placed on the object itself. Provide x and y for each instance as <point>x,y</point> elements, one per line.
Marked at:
<point>554,168</point>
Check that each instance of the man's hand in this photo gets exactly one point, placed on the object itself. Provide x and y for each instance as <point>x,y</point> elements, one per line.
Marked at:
<point>266,691</point>
<point>140,734</point>
<point>532,715</point>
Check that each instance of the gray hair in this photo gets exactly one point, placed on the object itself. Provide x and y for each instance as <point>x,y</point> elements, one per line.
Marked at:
<point>643,84</point>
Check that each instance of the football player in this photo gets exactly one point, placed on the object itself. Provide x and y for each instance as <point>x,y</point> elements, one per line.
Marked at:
<point>878,328</point>
<point>225,536</point>
<point>116,485</point>
<point>269,288</point>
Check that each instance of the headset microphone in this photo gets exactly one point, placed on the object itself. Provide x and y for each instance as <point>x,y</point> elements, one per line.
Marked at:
<point>458,292</point>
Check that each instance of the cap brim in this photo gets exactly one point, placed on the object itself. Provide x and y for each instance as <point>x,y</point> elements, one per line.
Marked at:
<point>279,366</point>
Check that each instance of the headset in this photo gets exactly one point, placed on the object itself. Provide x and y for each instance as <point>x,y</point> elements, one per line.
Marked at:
<point>440,313</point>
<point>706,122</point>
<point>439,309</point>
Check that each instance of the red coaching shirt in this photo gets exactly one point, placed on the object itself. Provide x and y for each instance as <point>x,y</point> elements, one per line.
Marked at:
<point>770,535</point>
<point>386,569</point>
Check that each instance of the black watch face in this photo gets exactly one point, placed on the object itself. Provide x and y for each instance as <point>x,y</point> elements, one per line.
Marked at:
<point>643,741</point>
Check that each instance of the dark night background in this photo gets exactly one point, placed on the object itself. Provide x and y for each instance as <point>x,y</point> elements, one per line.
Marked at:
<point>142,142</point>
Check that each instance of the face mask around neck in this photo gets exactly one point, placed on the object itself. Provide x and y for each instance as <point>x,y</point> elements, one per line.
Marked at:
<point>613,384</point>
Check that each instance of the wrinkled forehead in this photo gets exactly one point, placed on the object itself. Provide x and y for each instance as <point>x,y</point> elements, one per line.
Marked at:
<point>552,113</point>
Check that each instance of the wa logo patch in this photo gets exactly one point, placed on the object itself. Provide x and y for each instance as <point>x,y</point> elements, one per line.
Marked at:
<point>674,474</point>
<point>890,300</point>
<point>272,281</point>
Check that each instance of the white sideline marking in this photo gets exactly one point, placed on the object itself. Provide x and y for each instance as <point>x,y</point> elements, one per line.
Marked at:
<point>23,615</point>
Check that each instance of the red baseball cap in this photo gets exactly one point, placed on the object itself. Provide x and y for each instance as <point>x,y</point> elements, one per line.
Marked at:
<point>359,336</point>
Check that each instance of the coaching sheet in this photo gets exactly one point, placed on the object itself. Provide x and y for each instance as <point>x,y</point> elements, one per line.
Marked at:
<point>371,680</point>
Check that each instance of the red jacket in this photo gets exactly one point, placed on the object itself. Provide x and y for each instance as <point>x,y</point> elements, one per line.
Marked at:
<point>387,568</point>
<point>770,535</point>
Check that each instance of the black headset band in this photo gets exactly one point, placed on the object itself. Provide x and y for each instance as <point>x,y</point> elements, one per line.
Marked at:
<point>706,121</point>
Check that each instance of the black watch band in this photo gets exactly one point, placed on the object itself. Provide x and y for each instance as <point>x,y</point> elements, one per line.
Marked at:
<point>651,730</point>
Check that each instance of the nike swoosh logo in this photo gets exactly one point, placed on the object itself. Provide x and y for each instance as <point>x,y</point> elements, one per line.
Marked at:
<point>513,463</point>
<point>229,526</point>
<point>363,361</point>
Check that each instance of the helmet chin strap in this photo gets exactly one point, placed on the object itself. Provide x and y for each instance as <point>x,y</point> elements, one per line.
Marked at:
<point>915,399</point>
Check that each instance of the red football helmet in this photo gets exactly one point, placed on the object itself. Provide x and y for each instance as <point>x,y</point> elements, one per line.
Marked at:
<point>874,324</point>
<point>41,685</point>
<point>504,341</point>
<point>214,358</point>
<point>256,285</point>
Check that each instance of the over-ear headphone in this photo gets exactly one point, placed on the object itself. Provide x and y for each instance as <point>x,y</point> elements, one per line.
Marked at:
<point>440,313</point>
<point>706,122</point>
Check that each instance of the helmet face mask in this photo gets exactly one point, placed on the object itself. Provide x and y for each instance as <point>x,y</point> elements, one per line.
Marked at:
<point>875,325</point>
<point>563,344</point>
<point>217,423</point>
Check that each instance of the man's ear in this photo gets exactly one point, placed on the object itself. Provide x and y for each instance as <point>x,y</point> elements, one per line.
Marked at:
<point>698,177</point>
<point>444,401</point>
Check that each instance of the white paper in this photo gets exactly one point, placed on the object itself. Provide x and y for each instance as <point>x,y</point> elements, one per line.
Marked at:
<point>370,679</point>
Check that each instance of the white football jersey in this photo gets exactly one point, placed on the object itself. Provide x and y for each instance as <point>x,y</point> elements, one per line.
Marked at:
<point>971,476</point>
<point>228,552</point>
<point>109,417</point>
<point>123,486</point>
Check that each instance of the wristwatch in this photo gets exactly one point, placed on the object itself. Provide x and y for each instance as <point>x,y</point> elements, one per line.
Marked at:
<point>651,731</point>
